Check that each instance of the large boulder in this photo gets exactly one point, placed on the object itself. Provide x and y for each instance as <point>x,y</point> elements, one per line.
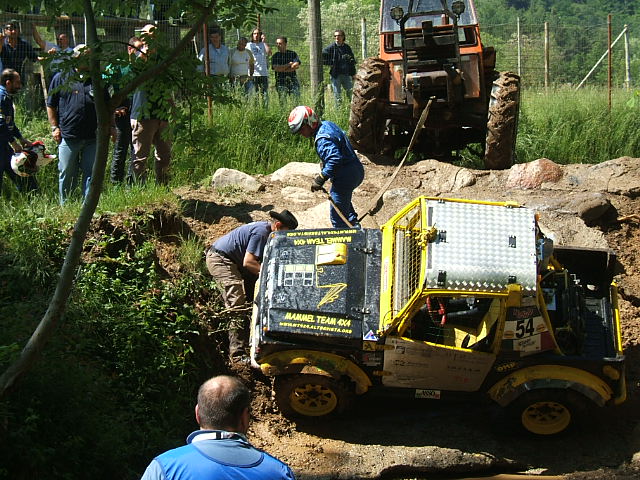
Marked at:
<point>292,172</point>
<point>228,177</point>
<point>533,174</point>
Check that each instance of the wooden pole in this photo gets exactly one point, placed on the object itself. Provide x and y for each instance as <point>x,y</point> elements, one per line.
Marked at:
<point>315,49</point>
<point>600,60</point>
<point>207,67</point>
<point>610,66</point>
<point>363,37</point>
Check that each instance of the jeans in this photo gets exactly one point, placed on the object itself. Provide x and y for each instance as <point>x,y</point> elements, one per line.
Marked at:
<point>262,86</point>
<point>122,148</point>
<point>340,82</point>
<point>23,184</point>
<point>75,155</point>
<point>342,187</point>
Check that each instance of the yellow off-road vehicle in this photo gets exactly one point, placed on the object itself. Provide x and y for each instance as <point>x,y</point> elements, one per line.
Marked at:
<point>449,296</point>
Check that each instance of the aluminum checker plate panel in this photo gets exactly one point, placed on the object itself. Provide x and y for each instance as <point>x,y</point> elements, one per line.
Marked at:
<point>481,247</point>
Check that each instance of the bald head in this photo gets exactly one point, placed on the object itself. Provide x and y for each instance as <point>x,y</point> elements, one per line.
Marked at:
<point>222,403</point>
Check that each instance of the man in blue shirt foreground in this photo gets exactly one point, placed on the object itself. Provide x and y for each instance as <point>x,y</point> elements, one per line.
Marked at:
<point>234,261</point>
<point>219,449</point>
<point>339,162</point>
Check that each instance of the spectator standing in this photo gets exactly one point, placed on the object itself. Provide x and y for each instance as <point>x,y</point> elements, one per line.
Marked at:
<point>149,124</point>
<point>261,53</point>
<point>15,50</point>
<point>218,56</point>
<point>10,137</point>
<point>241,66</point>
<point>340,58</point>
<point>285,63</point>
<point>62,50</point>
<point>117,76</point>
<point>339,162</point>
<point>234,261</point>
<point>220,448</point>
<point>72,116</point>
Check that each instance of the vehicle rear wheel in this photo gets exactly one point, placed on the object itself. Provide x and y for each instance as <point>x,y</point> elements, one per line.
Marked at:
<point>502,121</point>
<point>310,395</point>
<point>547,411</point>
<point>370,93</point>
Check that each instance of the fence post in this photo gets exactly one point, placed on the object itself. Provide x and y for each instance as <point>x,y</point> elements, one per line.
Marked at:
<point>315,49</point>
<point>627,59</point>
<point>519,38</point>
<point>546,55</point>
<point>363,37</point>
<point>610,60</point>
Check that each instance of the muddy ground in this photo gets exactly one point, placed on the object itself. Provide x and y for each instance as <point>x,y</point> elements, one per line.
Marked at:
<point>385,438</point>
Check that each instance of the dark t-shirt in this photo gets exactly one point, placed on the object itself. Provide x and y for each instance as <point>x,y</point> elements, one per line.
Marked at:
<point>15,57</point>
<point>284,59</point>
<point>251,238</point>
<point>76,108</point>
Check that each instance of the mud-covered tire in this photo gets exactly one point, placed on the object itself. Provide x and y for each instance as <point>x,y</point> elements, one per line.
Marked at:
<point>547,412</point>
<point>370,93</point>
<point>502,121</point>
<point>307,395</point>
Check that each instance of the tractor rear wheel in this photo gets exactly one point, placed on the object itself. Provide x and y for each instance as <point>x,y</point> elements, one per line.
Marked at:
<point>502,121</point>
<point>370,93</point>
<point>547,411</point>
<point>307,395</point>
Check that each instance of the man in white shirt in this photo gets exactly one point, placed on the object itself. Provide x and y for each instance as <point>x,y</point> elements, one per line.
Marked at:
<point>241,66</point>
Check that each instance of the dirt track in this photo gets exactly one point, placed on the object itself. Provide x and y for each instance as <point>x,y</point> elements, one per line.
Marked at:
<point>384,438</point>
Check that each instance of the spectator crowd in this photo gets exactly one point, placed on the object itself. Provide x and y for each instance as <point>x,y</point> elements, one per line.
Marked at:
<point>140,122</point>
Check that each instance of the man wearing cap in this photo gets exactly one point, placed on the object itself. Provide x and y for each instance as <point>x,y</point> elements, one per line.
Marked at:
<point>10,137</point>
<point>14,50</point>
<point>234,261</point>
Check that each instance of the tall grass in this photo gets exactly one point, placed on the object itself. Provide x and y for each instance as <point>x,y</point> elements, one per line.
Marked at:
<point>569,126</point>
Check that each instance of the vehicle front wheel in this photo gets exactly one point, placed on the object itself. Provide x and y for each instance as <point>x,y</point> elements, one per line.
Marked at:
<point>502,121</point>
<point>547,411</point>
<point>310,395</point>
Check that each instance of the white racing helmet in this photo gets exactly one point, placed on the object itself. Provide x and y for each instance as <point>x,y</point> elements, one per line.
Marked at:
<point>301,115</point>
<point>28,161</point>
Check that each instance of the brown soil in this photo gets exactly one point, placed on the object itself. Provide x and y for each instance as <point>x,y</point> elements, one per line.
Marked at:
<point>381,437</point>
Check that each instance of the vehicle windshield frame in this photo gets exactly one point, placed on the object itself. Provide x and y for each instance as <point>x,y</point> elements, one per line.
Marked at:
<point>389,25</point>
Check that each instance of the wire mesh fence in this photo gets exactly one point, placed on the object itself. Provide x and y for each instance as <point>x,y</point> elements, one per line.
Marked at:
<point>570,50</point>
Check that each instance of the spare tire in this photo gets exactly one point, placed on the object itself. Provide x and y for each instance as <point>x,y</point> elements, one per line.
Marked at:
<point>370,93</point>
<point>502,121</point>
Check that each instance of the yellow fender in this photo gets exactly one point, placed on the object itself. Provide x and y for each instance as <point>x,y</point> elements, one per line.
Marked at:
<point>317,363</point>
<point>550,376</point>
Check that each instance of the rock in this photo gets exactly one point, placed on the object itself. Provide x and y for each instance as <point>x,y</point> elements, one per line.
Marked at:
<point>298,194</point>
<point>398,195</point>
<point>534,174</point>
<point>597,210</point>
<point>463,178</point>
<point>225,177</point>
<point>295,169</point>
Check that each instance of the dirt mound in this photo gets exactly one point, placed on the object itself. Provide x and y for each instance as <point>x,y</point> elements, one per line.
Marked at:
<point>392,440</point>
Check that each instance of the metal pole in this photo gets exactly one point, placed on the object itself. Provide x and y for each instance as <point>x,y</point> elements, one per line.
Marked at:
<point>627,60</point>
<point>519,47</point>
<point>610,67</point>
<point>363,37</point>
<point>546,55</point>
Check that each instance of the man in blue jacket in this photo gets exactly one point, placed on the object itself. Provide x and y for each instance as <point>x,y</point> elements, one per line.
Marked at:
<point>220,448</point>
<point>339,162</point>
<point>10,137</point>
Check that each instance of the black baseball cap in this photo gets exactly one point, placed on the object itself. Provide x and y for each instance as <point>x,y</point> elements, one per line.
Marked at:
<point>286,217</point>
<point>12,24</point>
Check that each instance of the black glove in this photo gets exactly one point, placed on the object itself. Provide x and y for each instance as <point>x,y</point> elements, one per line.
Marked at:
<point>318,183</point>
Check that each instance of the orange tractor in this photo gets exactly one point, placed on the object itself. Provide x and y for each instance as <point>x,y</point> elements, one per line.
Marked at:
<point>431,50</point>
